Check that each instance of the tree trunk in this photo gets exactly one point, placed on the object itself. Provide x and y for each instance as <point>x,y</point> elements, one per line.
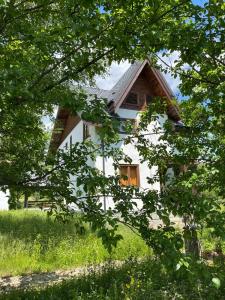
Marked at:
<point>25,205</point>
<point>191,242</point>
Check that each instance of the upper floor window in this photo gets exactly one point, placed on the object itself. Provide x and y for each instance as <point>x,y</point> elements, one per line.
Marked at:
<point>148,99</point>
<point>130,175</point>
<point>71,142</point>
<point>132,99</point>
<point>127,125</point>
<point>85,131</point>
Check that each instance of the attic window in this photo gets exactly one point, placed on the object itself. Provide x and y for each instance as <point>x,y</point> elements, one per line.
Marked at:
<point>132,99</point>
<point>148,99</point>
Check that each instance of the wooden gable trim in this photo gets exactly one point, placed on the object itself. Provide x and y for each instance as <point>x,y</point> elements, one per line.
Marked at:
<point>64,124</point>
<point>172,110</point>
<point>125,93</point>
<point>163,84</point>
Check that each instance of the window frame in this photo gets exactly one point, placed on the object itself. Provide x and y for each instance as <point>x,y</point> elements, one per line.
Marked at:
<point>146,99</point>
<point>86,133</point>
<point>122,121</point>
<point>128,173</point>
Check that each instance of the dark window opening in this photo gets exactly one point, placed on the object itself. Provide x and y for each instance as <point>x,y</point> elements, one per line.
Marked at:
<point>85,131</point>
<point>148,99</point>
<point>127,125</point>
<point>71,142</point>
<point>132,98</point>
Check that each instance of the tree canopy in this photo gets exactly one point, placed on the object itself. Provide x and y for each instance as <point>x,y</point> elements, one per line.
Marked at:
<point>48,49</point>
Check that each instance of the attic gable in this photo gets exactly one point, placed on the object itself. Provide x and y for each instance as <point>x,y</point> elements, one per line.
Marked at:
<point>140,78</point>
<point>144,81</point>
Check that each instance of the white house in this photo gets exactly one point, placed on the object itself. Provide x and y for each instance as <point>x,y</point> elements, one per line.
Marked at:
<point>126,100</point>
<point>4,196</point>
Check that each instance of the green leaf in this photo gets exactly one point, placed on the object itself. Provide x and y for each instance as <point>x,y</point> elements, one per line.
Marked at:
<point>216,282</point>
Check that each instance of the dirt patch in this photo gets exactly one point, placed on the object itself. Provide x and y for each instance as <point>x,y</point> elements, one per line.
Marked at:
<point>49,278</point>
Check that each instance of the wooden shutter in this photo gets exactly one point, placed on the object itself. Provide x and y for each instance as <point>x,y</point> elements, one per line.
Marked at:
<point>124,172</point>
<point>133,176</point>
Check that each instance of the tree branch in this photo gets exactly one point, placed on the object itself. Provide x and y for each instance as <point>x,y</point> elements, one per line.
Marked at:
<point>65,57</point>
<point>79,70</point>
<point>185,74</point>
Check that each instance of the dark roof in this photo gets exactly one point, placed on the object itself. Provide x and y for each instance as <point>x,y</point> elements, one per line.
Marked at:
<point>100,93</point>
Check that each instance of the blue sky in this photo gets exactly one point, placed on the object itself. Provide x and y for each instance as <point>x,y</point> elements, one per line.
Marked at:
<point>199,2</point>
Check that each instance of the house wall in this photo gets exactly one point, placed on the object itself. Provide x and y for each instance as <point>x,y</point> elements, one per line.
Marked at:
<point>144,170</point>
<point>4,200</point>
<point>76,133</point>
<point>131,151</point>
<point>77,136</point>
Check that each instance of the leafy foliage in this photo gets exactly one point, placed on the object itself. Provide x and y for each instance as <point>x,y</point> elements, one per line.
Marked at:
<point>48,46</point>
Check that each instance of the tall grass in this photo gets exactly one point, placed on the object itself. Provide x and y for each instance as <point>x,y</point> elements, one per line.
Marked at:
<point>30,241</point>
<point>148,280</point>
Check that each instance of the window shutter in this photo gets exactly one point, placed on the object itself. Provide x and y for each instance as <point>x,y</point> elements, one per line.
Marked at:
<point>124,172</point>
<point>133,175</point>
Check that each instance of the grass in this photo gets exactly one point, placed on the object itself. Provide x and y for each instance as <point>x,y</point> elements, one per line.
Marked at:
<point>143,281</point>
<point>32,242</point>
<point>210,242</point>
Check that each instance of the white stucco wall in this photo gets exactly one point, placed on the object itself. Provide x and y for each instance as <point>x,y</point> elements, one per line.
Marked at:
<point>77,135</point>
<point>4,200</point>
<point>144,171</point>
<point>130,150</point>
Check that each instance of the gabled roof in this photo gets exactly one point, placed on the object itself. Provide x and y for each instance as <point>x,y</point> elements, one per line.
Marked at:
<point>100,93</point>
<point>123,86</point>
<point>116,96</point>
<point>119,88</point>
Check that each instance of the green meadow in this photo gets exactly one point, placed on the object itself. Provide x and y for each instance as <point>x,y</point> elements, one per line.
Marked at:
<point>30,241</point>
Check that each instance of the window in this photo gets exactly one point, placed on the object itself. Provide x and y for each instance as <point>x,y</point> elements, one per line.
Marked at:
<point>127,125</point>
<point>66,145</point>
<point>148,99</point>
<point>71,142</point>
<point>132,99</point>
<point>85,131</point>
<point>132,175</point>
